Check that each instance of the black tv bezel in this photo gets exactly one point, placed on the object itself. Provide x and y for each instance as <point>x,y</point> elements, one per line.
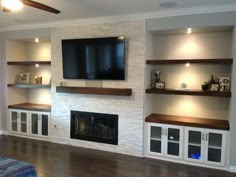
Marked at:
<point>124,39</point>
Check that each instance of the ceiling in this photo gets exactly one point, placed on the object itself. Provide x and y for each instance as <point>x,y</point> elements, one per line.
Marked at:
<point>80,9</point>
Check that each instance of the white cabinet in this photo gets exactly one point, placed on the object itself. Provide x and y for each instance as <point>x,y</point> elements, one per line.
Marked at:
<point>32,123</point>
<point>19,121</point>
<point>205,145</point>
<point>39,124</point>
<point>165,140</point>
<point>188,144</point>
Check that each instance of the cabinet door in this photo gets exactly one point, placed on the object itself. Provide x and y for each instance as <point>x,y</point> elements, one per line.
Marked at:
<point>156,139</point>
<point>34,117</point>
<point>44,124</point>
<point>174,141</point>
<point>14,121</point>
<point>23,123</point>
<point>194,144</point>
<point>215,147</point>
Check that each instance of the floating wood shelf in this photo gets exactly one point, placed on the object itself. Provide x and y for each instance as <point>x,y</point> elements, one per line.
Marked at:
<point>30,86</point>
<point>95,90</point>
<point>28,63</point>
<point>188,92</point>
<point>31,107</point>
<point>188,121</point>
<point>226,61</point>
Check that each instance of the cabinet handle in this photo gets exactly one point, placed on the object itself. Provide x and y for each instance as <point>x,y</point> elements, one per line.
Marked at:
<point>207,136</point>
<point>163,131</point>
<point>203,137</point>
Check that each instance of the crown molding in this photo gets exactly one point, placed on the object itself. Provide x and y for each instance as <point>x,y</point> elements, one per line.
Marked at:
<point>127,17</point>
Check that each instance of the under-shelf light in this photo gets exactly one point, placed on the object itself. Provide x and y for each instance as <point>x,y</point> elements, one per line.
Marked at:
<point>187,65</point>
<point>36,65</point>
<point>36,40</point>
<point>189,31</point>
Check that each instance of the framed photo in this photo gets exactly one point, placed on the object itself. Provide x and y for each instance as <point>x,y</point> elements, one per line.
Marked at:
<point>23,78</point>
<point>224,83</point>
<point>215,87</point>
<point>160,85</point>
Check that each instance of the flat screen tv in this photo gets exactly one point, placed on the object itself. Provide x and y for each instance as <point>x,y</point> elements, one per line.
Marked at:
<point>94,58</point>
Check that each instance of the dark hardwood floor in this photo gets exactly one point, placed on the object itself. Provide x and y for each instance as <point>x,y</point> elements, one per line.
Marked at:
<point>54,160</point>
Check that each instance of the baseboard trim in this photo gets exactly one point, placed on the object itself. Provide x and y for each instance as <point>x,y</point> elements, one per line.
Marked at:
<point>232,169</point>
<point>3,132</point>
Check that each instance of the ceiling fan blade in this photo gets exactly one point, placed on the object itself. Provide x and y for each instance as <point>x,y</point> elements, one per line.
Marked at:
<point>40,6</point>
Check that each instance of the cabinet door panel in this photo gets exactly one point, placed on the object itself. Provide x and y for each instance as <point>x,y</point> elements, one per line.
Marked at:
<point>34,123</point>
<point>215,147</point>
<point>23,122</point>
<point>14,121</point>
<point>174,141</point>
<point>44,124</point>
<point>194,144</point>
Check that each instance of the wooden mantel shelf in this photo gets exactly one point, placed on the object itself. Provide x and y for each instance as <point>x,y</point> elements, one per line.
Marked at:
<point>188,121</point>
<point>188,92</point>
<point>31,107</point>
<point>95,90</point>
<point>225,61</point>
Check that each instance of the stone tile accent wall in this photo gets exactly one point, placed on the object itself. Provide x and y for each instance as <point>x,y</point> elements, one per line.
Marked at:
<point>129,109</point>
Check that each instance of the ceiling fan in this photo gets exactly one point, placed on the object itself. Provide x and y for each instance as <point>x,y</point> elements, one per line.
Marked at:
<point>14,5</point>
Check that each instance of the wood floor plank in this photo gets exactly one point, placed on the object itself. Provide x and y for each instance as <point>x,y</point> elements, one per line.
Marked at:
<point>55,160</point>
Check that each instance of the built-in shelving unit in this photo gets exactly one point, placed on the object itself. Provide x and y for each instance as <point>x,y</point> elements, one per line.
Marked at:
<point>188,92</point>
<point>188,121</point>
<point>31,107</point>
<point>225,61</point>
<point>28,63</point>
<point>95,90</point>
<point>30,86</point>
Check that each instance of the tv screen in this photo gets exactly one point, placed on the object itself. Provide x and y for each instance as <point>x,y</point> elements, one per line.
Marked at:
<point>94,58</point>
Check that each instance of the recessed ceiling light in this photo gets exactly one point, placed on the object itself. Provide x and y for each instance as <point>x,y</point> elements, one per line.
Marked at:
<point>167,4</point>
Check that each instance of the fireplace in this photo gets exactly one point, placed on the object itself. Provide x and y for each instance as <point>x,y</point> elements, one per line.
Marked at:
<point>95,127</point>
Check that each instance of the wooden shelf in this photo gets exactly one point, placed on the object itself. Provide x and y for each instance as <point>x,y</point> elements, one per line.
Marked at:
<point>225,61</point>
<point>28,63</point>
<point>30,86</point>
<point>31,107</point>
<point>188,121</point>
<point>95,90</point>
<point>188,92</point>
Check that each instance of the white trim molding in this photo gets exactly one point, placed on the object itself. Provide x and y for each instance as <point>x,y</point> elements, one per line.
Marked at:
<point>3,132</point>
<point>232,169</point>
<point>126,17</point>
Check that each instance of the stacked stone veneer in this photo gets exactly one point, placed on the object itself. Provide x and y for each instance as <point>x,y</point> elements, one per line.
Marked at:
<point>129,109</point>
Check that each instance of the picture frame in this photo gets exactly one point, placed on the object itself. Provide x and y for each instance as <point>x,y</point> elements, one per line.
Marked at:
<point>160,85</point>
<point>215,87</point>
<point>23,78</point>
<point>224,84</point>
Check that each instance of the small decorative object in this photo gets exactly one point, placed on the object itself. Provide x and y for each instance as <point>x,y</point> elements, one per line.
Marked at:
<point>224,83</point>
<point>160,85</point>
<point>184,86</point>
<point>153,80</point>
<point>38,80</point>
<point>62,83</point>
<point>157,76</point>
<point>23,78</point>
<point>215,87</point>
<point>205,86</point>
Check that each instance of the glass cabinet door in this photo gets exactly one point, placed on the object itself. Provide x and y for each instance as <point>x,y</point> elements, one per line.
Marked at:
<point>195,143</point>
<point>14,124</point>
<point>215,145</point>
<point>34,123</point>
<point>44,124</point>
<point>23,122</point>
<point>174,142</point>
<point>156,140</point>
